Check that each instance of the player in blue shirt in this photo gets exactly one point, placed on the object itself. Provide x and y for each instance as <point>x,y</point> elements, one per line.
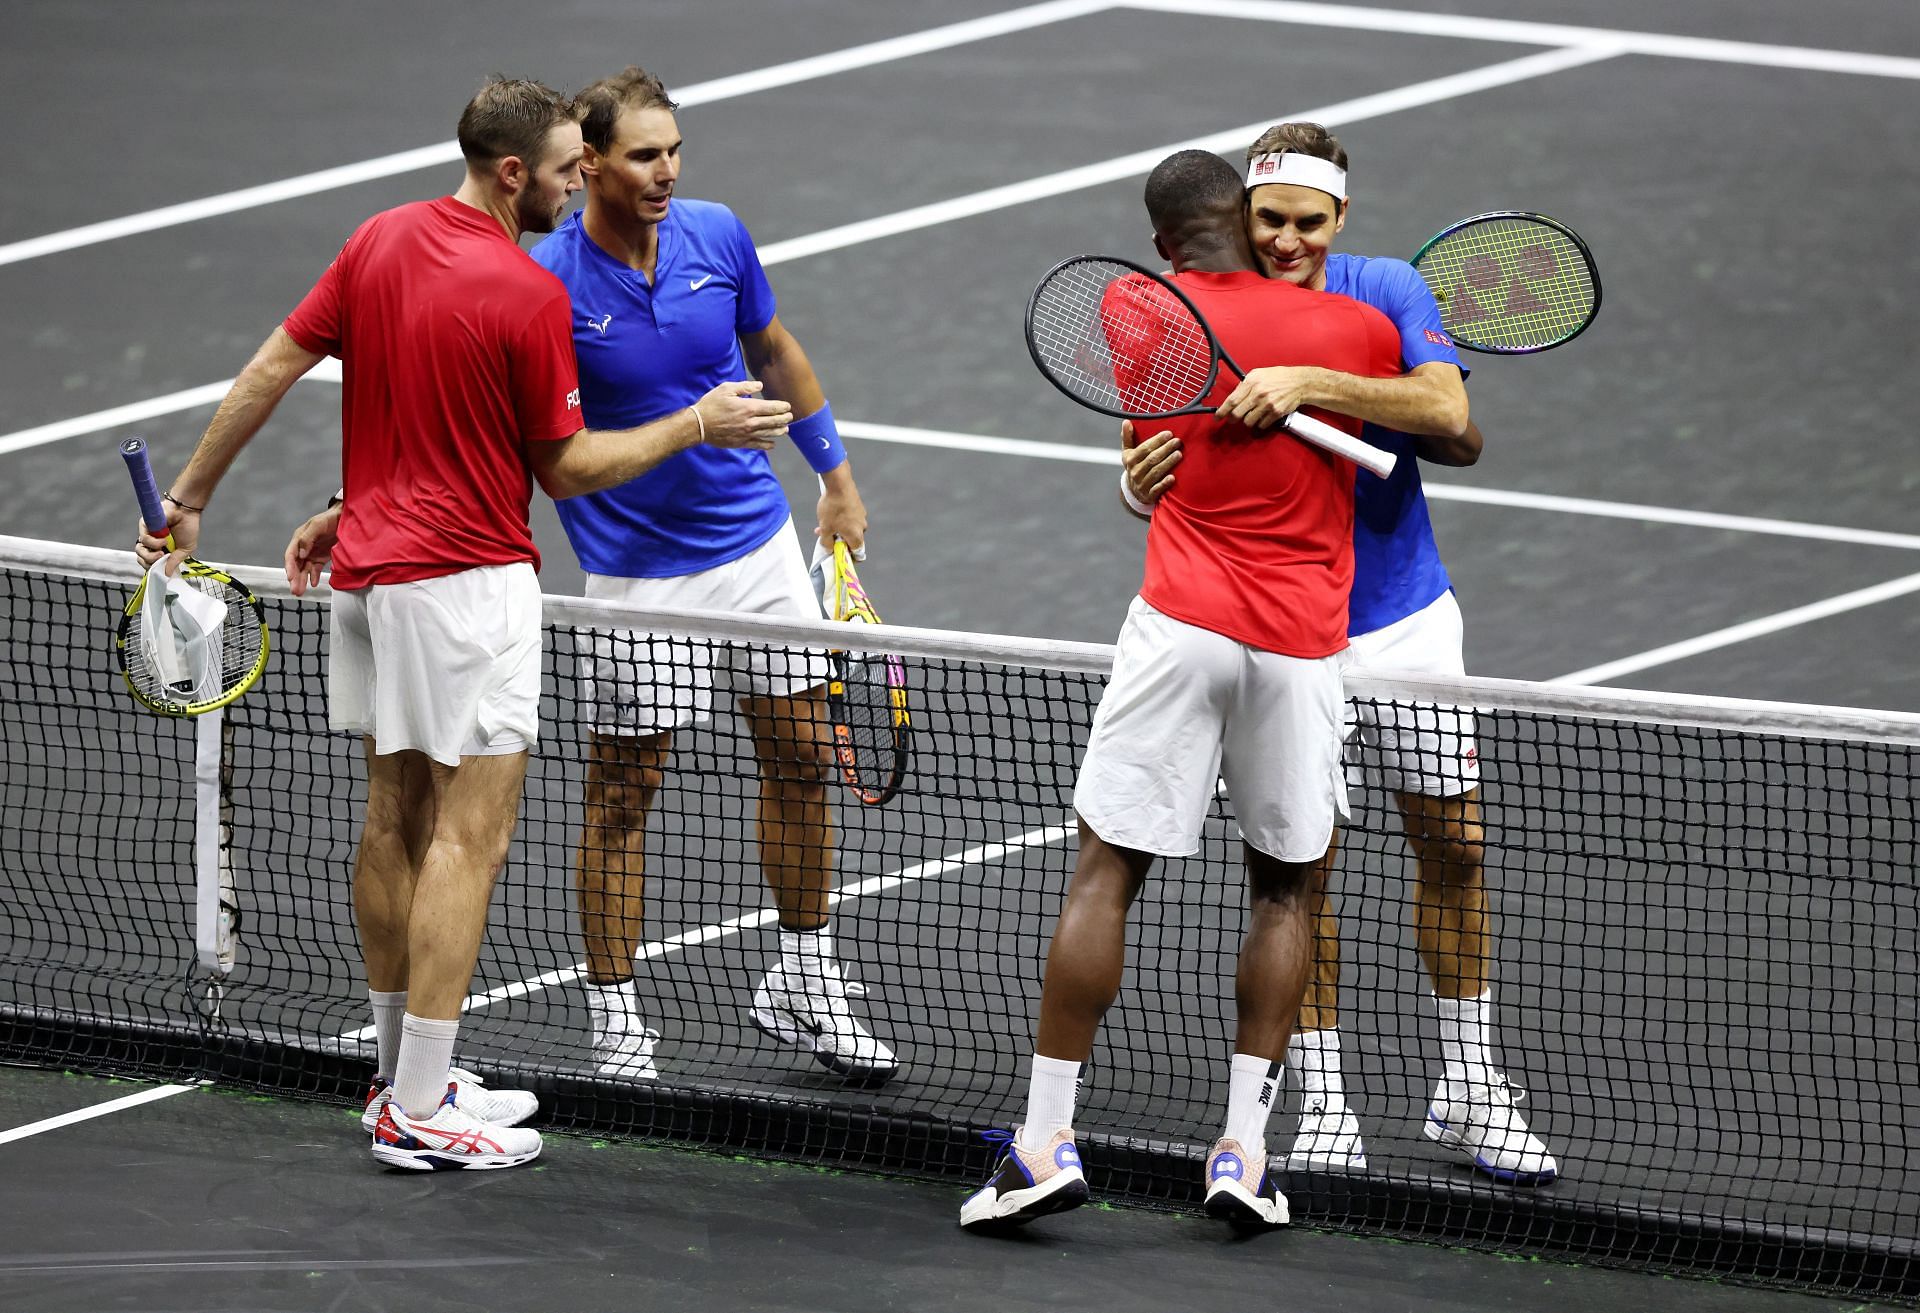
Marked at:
<point>1402,616</point>
<point>669,300</point>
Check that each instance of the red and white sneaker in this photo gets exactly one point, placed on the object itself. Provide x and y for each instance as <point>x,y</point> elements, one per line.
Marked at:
<point>499,1107</point>
<point>453,1139</point>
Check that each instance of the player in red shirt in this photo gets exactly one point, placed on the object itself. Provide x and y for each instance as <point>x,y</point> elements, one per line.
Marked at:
<point>460,389</point>
<point>1228,666</point>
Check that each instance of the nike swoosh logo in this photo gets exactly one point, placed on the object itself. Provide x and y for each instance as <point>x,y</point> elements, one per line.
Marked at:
<point>699,283</point>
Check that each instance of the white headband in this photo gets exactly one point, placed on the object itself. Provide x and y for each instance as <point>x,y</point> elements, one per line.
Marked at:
<point>1301,170</point>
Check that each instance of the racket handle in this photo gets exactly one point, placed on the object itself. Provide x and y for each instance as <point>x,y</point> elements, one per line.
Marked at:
<point>1327,437</point>
<point>134,452</point>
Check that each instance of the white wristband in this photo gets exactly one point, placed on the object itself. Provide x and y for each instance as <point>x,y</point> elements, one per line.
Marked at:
<point>701,422</point>
<point>1126,492</point>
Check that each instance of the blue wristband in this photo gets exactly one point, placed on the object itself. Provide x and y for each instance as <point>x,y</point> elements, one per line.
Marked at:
<point>818,440</point>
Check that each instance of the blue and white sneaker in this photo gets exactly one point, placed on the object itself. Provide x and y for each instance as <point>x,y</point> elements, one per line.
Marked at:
<point>1481,1122</point>
<point>496,1107</point>
<point>1028,1184</point>
<point>450,1140</point>
<point>1240,1189</point>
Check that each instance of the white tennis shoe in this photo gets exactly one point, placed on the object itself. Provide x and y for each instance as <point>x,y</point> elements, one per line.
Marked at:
<point>1482,1122</point>
<point>1329,1136</point>
<point>499,1107</point>
<point>453,1139</point>
<point>812,1014</point>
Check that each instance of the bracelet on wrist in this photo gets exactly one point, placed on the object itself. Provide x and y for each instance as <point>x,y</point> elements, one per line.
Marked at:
<point>182,505</point>
<point>701,422</point>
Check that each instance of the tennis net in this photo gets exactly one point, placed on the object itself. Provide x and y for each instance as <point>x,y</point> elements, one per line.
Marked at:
<point>1705,918</point>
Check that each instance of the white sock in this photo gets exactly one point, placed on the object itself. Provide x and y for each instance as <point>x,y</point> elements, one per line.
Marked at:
<point>803,951</point>
<point>1466,1028</point>
<point>420,1072</point>
<point>1051,1091</point>
<point>1251,1086</point>
<point>1313,1056</point>
<point>388,1008</point>
<point>614,1009</point>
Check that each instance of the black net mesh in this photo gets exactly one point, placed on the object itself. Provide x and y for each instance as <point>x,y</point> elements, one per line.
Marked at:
<point>1703,952</point>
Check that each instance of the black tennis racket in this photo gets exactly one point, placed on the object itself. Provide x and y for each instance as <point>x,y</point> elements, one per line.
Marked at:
<point>1122,340</point>
<point>866,694</point>
<point>239,650</point>
<point>1511,283</point>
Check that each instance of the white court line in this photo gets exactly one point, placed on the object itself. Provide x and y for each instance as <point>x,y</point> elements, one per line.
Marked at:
<point>1138,163</point>
<point>423,157</point>
<point>1277,11</point>
<point>97,1110</point>
<point>1709,49</point>
<point>1741,633</point>
<point>978,855</point>
<point>1064,451</point>
<point>329,371</point>
<point>207,394</point>
<point>927,216</point>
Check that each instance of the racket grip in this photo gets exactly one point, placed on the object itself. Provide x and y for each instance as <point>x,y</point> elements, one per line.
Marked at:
<point>134,452</point>
<point>1327,437</point>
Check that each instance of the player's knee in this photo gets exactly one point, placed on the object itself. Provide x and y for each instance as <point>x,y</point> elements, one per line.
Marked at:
<point>801,767</point>
<point>1276,885</point>
<point>1454,857</point>
<point>620,793</point>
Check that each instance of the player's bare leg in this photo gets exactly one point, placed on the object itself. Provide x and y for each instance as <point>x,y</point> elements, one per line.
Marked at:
<point>475,807</point>
<point>1276,959</point>
<point>1039,1169</point>
<point>793,742</point>
<point>1328,1137</point>
<point>802,1001</point>
<point>393,848</point>
<point>1473,1107</point>
<point>393,844</point>
<point>1088,954</point>
<point>624,776</point>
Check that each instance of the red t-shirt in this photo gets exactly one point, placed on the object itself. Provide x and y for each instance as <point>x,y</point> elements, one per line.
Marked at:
<point>457,350</point>
<point>1255,538</point>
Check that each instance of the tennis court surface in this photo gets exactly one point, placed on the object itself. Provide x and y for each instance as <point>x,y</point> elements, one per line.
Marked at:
<point>1706,913</point>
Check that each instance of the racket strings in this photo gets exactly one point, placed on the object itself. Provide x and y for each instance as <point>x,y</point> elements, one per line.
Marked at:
<point>1510,283</point>
<point>1120,341</point>
<point>241,640</point>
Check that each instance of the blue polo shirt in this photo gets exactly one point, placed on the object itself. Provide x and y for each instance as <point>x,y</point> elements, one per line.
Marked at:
<point>646,350</point>
<point>1396,565</point>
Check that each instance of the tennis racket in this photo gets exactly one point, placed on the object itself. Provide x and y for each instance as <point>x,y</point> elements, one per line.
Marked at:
<point>1124,341</point>
<point>866,693</point>
<point>1511,283</point>
<point>242,644</point>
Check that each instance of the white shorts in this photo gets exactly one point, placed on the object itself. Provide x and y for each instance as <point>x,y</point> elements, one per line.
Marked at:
<point>1187,707</point>
<point>642,684</point>
<point>1424,747</point>
<point>447,666</point>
